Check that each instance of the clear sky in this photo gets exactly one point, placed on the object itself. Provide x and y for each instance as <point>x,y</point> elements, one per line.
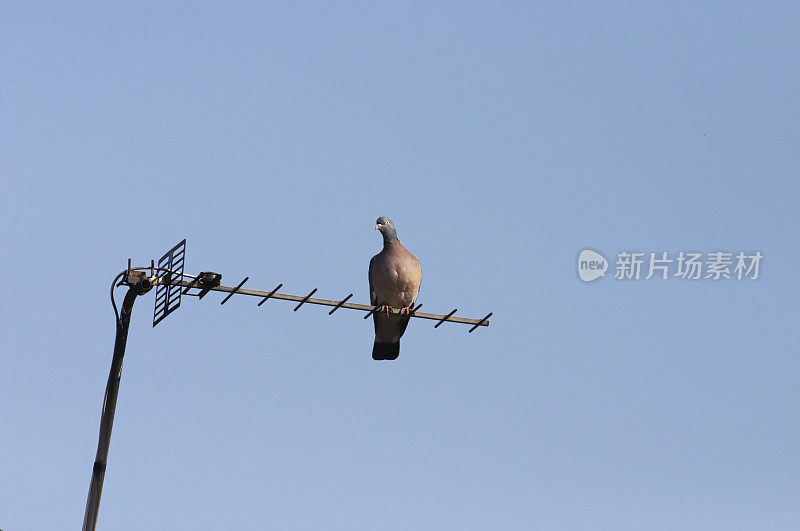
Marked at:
<point>502,139</point>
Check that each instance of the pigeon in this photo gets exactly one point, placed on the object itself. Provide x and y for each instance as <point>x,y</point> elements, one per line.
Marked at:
<point>394,279</point>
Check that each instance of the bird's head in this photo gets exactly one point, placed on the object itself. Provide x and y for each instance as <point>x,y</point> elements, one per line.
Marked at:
<point>386,227</point>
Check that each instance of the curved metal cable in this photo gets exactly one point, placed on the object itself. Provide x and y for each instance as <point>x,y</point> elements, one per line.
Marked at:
<point>114,304</point>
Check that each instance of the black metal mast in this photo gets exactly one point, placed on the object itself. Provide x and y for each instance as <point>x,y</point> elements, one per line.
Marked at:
<point>138,285</point>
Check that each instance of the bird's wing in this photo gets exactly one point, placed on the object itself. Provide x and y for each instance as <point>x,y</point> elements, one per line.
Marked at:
<point>417,277</point>
<point>373,299</point>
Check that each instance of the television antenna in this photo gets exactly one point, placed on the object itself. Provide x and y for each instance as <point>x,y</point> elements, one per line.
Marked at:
<point>171,284</point>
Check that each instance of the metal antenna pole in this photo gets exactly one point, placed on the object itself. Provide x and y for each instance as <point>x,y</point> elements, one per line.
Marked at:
<point>139,284</point>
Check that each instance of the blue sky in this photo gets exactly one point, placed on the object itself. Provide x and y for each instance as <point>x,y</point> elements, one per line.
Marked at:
<point>502,139</point>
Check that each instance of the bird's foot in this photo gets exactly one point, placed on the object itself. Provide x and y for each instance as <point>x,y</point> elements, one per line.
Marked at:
<point>386,308</point>
<point>406,310</point>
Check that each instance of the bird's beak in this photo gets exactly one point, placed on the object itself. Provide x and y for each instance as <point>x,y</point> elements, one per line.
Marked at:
<point>377,227</point>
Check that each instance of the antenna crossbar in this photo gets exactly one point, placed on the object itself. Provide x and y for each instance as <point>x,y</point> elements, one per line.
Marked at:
<point>306,299</point>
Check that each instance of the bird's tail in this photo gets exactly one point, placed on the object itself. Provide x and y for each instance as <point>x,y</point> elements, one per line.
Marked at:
<point>385,351</point>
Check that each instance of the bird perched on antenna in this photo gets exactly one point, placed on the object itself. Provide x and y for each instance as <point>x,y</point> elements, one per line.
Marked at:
<point>394,279</point>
